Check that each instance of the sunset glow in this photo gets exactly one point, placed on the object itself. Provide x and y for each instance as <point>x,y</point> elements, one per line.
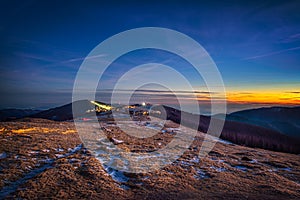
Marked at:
<point>264,97</point>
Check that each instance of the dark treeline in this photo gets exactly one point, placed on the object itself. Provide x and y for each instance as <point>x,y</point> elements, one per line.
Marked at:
<point>239,133</point>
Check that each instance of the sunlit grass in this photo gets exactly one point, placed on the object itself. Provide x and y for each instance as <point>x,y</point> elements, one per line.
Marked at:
<point>69,131</point>
<point>26,130</point>
<point>43,130</point>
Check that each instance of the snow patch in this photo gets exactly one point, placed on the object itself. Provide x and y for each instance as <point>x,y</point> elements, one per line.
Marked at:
<point>3,155</point>
<point>200,174</point>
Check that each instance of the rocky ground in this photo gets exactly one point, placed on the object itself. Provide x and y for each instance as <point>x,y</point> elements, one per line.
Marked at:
<point>46,159</point>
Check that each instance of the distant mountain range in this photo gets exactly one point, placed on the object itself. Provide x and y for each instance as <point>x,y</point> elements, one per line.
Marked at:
<point>285,120</point>
<point>275,128</point>
<point>10,114</point>
<point>60,113</point>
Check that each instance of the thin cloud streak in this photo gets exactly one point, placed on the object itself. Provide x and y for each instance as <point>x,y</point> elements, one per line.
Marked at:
<point>271,53</point>
<point>83,58</point>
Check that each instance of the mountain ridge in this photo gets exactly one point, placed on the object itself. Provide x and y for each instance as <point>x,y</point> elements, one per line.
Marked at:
<point>235,129</point>
<point>285,120</point>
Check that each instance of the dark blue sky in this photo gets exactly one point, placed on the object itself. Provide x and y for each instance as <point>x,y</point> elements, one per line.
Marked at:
<point>255,44</point>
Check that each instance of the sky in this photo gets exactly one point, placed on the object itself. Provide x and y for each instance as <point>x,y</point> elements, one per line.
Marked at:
<point>254,44</point>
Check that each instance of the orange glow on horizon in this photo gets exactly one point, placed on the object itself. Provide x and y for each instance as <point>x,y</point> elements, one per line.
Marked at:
<point>264,97</point>
<point>255,97</point>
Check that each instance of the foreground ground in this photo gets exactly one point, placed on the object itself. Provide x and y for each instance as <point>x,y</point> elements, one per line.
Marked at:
<point>46,159</point>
